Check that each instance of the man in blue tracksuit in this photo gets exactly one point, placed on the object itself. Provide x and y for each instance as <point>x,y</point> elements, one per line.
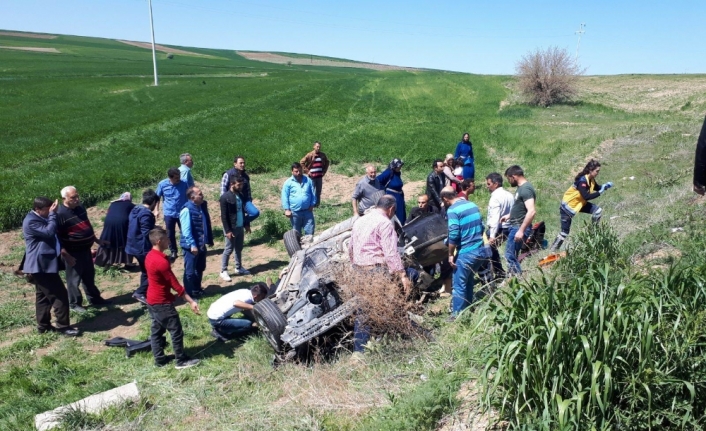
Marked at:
<point>298,200</point>
<point>196,234</point>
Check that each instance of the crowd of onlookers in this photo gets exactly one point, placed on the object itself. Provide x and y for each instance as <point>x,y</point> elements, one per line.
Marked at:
<point>59,235</point>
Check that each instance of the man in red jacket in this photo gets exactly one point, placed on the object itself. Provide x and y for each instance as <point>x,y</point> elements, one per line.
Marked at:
<point>160,302</point>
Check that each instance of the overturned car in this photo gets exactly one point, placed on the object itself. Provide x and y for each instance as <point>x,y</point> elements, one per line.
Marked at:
<point>309,300</point>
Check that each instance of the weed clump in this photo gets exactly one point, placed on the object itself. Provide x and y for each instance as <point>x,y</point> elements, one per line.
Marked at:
<point>602,349</point>
<point>380,299</point>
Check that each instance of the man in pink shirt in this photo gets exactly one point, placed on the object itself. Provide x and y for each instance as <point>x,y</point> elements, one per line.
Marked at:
<point>373,247</point>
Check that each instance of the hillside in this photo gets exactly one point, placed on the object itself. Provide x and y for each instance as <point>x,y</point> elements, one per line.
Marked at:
<point>88,115</point>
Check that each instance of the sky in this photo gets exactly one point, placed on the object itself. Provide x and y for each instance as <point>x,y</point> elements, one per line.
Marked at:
<point>483,37</point>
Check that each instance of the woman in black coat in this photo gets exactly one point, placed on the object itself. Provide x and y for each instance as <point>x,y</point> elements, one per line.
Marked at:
<point>115,232</point>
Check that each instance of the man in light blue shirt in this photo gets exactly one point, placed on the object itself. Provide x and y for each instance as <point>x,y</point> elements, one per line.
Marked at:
<point>172,190</point>
<point>187,162</point>
<point>298,200</point>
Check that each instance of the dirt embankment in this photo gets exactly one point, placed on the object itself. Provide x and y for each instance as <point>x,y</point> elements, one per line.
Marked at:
<point>30,35</point>
<point>162,48</point>
<point>283,59</point>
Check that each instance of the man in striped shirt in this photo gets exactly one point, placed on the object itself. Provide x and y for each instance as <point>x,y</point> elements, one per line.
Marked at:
<point>315,165</point>
<point>466,249</point>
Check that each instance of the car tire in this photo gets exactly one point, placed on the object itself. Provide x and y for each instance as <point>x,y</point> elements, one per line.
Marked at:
<point>292,241</point>
<point>271,321</point>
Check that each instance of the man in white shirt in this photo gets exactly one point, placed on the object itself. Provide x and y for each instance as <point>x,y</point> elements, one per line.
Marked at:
<point>501,202</point>
<point>219,313</point>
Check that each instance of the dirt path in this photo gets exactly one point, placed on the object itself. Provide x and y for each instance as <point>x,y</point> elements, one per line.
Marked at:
<point>283,59</point>
<point>32,48</point>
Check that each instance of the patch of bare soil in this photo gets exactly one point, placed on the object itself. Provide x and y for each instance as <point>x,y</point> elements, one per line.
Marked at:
<point>32,49</point>
<point>283,59</point>
<point>468,416</point>
<point>658,258</point>
<point>30,35</point>
<point>163,48</point>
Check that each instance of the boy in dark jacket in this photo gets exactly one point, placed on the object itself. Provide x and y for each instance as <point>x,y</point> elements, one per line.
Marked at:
<point>141,222</point>
<point>160,303</point>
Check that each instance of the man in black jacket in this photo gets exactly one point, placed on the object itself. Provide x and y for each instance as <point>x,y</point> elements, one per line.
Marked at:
<point>435,182</point>
<point>238,169</point>
<point>700,163</point>
<point>234,227</point>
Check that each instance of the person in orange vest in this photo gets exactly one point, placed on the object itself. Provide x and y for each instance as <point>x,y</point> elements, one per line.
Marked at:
<point>575,200</point>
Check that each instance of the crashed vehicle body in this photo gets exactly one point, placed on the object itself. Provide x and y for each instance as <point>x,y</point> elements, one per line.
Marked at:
<point>308,301</point>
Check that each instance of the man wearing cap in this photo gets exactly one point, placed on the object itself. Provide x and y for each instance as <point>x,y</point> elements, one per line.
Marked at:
<point>391,181</point>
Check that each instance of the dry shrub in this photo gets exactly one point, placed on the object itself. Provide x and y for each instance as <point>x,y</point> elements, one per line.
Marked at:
<point>548,76</point>
<point>381,299</point>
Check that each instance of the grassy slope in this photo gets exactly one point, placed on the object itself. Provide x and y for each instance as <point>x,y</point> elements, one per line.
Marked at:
<point>62,111</point>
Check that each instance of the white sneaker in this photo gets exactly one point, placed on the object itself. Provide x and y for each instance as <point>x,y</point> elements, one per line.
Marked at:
<point>225,276</point>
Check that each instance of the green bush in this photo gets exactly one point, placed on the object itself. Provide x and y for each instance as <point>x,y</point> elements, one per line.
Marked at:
<point>274,224</point>
<point>601,349</point>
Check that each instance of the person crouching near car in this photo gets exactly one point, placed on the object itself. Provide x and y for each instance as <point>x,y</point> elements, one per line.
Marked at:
<point>196,234</point>
<point>219,313</point>
<point>160,303</point>
<point>42,263</point>
<point>576,199</point>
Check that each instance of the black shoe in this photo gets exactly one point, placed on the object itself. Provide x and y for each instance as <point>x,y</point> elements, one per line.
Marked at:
<point>45,330</point>
<point>180,365</point>
<point>173,257</point>
<point>167,359</point>
<point>69,332</point>
<point>77,309</point>
<point>197,294</point>
<point>139,298</point>
<point>218,336</point>
<point>100,302</point>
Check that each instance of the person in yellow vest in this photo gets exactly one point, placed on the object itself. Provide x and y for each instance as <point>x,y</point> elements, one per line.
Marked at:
<point>575,200</point>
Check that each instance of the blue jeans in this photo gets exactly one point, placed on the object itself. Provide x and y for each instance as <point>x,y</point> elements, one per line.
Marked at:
<point>171,223</point>
<point>231,326</point>
<point>467,264</point>
<point>251,213</point>
<point>512,249</point>
<point>194,266</point>
<point>303,220</point>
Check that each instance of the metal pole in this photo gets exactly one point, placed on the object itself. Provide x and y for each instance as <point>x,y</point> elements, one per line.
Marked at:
<point>154,52</point>
<point>579,33</point>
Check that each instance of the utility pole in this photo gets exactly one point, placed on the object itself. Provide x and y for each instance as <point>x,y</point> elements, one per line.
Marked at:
<point>579,32</point>
<point>154,52</point>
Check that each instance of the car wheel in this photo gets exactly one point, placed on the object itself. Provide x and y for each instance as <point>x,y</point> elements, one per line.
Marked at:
<point>292,241</point>
<point>271,321</point>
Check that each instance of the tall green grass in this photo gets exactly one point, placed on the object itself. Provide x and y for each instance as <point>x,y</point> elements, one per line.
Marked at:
<point>605,348</point>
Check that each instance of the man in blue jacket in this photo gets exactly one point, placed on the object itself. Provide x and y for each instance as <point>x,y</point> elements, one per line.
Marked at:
<point>141,221</point>
<point>43,264</point>
<point>299,200</point>
<point>196,234</point>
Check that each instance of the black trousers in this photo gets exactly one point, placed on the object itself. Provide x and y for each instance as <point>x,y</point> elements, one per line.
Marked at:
<point>142,290</point>
<point>318,186</point>
<point>51,293</point>
<point>165,318</point>
<point>83,272</point>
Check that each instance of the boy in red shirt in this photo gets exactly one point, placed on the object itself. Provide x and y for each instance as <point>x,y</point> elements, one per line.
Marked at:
<point>161,281</point>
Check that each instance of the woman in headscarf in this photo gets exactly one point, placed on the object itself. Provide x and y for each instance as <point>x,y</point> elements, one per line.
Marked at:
<point>450,178</point>
<point>391,180</point>
<point>464,150</point>
<point>115,232</point>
